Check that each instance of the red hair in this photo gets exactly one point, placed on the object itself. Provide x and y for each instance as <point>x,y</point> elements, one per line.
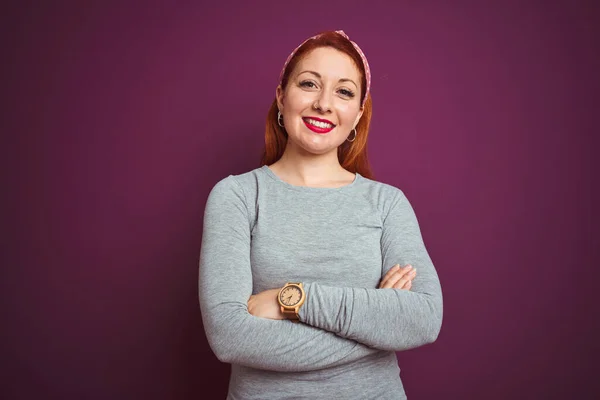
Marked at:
<point>352,155</point>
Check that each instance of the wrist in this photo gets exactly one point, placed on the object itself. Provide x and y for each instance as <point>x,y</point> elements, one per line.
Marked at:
<point>291,297</point>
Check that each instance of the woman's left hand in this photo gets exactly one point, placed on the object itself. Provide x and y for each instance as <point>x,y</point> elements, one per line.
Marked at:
<point>398,278</point>
<point>265,305</point>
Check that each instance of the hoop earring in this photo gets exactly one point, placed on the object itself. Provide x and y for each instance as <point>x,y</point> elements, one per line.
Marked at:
<point>354,138</point>
<point>279,117</point>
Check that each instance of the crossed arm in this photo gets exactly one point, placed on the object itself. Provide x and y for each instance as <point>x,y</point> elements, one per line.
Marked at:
<point>265,304</point>
<point>338,322</point>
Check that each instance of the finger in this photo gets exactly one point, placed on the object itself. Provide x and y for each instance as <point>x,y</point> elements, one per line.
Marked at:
<point>396,277</point>
<point>390,272</point>
<point>387,282</point>
<point>406,285</point>
<point>405,280</point>
<point>393,272</point>
<point>399,284</point>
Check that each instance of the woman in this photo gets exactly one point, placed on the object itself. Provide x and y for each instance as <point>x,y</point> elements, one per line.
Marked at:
<point>301,288</point>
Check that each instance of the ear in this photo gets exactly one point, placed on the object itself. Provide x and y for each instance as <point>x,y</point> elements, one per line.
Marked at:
<point>360,113</point>
<point>279,97</point>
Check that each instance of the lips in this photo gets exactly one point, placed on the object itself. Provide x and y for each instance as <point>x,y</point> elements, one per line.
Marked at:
<point>318,125</point>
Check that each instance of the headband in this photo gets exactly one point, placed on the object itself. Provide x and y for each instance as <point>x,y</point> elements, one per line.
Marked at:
<point>362,56</point>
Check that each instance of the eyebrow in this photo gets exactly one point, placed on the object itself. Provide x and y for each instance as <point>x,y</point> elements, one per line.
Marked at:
<point>319,76</point>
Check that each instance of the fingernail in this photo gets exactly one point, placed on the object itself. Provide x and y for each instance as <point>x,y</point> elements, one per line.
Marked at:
<point>409,266</point>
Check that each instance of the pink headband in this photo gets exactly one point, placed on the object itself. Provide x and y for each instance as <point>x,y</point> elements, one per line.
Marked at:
<point>362,56</point>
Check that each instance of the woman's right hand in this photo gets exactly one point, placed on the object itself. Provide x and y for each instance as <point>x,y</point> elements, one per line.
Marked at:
<point>398,278</point>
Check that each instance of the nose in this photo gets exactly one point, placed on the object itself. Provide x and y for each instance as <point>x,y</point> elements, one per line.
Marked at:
<point>323,102</point>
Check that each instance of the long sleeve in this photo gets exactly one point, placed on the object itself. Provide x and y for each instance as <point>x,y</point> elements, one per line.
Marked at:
<point>387,319</point>
<point>225,285</point>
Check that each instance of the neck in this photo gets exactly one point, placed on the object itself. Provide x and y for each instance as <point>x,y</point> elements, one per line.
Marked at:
<point>307,169</point>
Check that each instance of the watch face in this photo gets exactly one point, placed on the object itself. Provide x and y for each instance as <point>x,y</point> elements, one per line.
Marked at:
<point>290,296</point>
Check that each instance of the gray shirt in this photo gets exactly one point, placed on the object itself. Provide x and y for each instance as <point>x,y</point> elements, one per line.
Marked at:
<point>261,232</point>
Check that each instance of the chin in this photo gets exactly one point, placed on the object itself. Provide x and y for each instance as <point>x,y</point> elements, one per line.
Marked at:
<point>318,150</point>
<point>318,145</point>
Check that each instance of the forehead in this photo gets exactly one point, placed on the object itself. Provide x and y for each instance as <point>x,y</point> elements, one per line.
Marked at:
<point>329,63</point>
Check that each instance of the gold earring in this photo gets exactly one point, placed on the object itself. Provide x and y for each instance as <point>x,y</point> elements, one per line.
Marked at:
<point>354,138</point>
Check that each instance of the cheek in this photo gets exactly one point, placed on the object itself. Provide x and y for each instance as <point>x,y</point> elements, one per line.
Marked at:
<point>348,115</point>
<point>297,100</point>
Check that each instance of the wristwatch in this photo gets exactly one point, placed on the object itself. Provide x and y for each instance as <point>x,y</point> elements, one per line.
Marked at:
<point>291,297</point>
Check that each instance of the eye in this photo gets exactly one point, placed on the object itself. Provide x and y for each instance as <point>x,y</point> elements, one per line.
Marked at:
<point>346,92</point>
<point>308,84</point>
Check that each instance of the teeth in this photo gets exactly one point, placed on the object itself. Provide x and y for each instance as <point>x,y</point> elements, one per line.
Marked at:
<point>318,123</point>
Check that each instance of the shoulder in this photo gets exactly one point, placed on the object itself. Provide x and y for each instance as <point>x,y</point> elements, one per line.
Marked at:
<point>393,204</point>
<point>384,195</point>
<point>235,187</point>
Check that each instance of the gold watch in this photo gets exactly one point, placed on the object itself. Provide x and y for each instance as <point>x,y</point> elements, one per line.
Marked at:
<point>291,297</point>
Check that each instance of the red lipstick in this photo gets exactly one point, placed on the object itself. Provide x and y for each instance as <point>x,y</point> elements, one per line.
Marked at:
<point>318,129</point>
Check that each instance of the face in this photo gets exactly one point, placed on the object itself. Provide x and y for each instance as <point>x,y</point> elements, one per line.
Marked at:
<point>321,103</point>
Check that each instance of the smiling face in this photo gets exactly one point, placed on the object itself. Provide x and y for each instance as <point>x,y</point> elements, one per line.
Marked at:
<point>321,102</point>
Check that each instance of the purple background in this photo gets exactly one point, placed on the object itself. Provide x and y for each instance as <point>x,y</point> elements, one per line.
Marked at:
<point>117,120</point>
